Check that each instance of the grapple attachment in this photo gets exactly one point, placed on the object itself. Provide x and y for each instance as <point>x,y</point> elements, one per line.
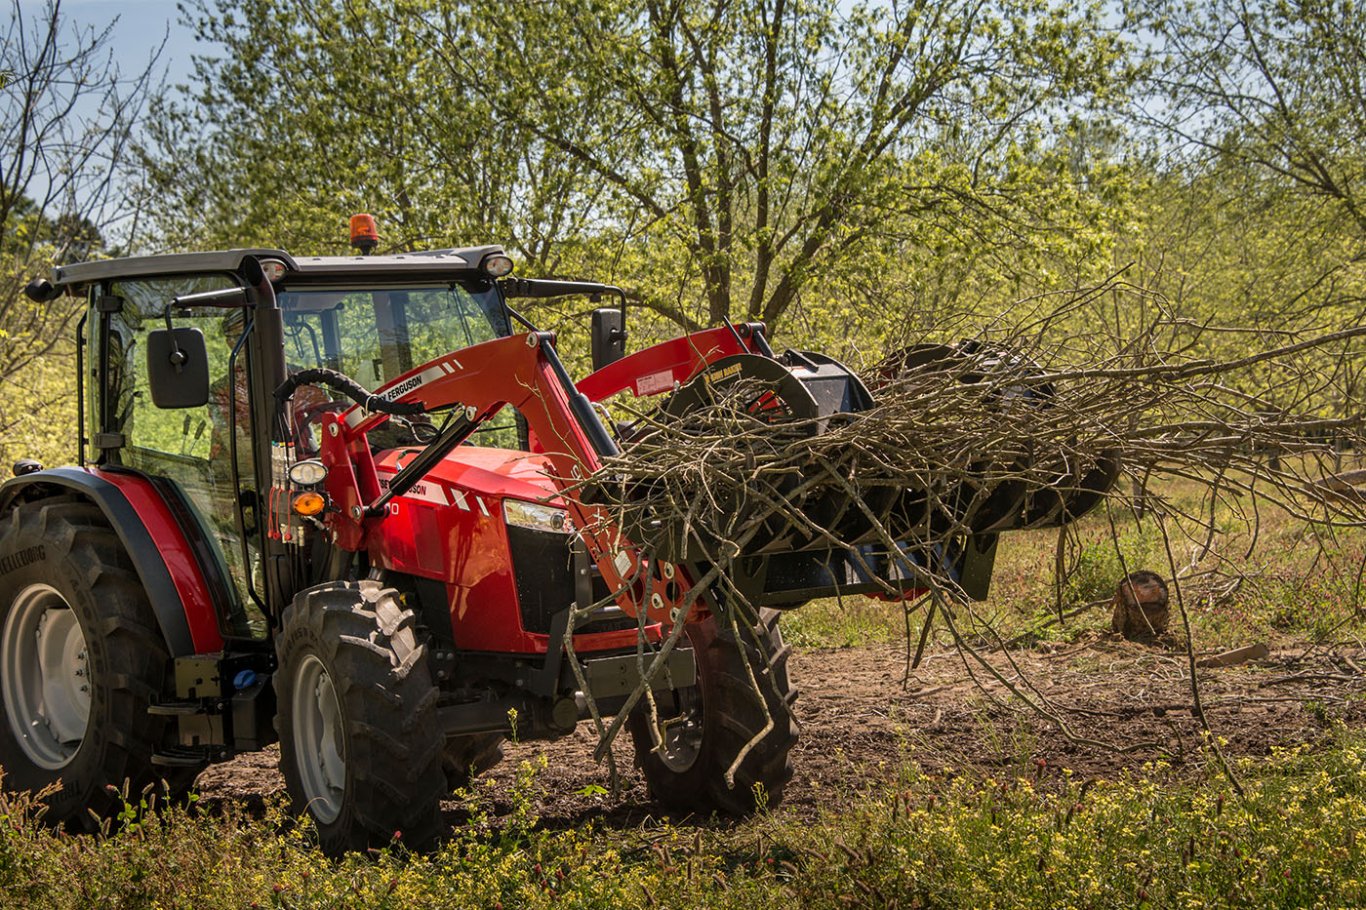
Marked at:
<point>804,478</point>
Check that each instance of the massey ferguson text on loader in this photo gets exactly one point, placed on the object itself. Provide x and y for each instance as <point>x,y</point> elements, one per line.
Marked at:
<point>335,501</point>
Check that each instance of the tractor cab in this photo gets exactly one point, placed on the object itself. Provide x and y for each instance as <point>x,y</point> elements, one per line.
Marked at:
<point>372,318</point>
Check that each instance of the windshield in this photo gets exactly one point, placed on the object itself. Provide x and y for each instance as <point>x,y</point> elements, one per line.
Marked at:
<point>374,334</point>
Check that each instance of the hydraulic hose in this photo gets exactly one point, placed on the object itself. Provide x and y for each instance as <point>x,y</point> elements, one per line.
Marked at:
<point>347,386</point>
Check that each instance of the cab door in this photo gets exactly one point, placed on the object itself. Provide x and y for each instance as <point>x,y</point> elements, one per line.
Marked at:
<point>200,458</point>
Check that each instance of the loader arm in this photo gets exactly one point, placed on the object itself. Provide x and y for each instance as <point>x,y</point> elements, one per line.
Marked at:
<point>475,383</point>
<point>662,367</point>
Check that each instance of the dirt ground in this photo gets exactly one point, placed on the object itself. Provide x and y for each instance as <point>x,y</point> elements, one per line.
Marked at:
<point>859,723</point>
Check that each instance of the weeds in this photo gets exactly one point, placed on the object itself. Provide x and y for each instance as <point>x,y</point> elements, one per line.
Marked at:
<point>846,623</point>
<point>1041,839</point>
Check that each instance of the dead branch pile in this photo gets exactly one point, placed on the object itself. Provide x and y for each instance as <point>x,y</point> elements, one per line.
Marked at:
<point>981,442</point>
<point>1012,430</point>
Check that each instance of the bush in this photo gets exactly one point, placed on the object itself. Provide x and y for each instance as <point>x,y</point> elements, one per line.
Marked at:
<point>924,840</point>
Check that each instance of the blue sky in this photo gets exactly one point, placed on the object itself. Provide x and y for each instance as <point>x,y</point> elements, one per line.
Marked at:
<point>141,26</point>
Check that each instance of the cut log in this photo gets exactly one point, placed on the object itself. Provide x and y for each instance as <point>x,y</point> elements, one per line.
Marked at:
<point>1237,656</point>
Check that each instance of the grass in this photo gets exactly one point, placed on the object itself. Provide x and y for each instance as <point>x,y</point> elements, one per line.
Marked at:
<point>922,841</point>
<point>847,623</point>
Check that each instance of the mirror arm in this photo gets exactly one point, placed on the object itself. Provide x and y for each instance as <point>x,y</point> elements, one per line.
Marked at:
<point>224,299</point>
<point>526,323</point>
<point>178,357</point>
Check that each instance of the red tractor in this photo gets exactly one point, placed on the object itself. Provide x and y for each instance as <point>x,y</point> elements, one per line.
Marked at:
<point>336,501</point>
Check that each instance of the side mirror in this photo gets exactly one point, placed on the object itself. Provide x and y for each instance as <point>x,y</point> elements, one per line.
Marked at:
<point>177,368</point>
<point>609,337</point>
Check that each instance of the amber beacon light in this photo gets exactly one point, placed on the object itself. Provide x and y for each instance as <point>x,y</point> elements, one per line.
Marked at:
<point>364,234</point>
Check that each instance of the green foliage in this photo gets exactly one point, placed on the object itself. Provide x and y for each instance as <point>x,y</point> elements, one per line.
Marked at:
<point>38,411</point>
<point>1101,558</point>
<point>924,840</point>
<point>1124,843</point>
<point>1272,84</point>
<point>739,162</point>
<point>1256,218</point>
<point>846,623</point>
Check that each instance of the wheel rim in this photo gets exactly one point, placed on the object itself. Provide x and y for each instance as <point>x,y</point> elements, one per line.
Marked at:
<point>681,734</point>
<point>45,671</point>
<point>319,740</point>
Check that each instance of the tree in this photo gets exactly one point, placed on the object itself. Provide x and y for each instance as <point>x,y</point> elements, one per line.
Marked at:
<point>734,153</point>
<point>1277,85</point>
<point>286,131</point>
<point>67,112</point>
<point>1260,108</point>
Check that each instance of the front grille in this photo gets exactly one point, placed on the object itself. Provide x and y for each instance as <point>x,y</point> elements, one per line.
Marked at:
<point>543,566</point>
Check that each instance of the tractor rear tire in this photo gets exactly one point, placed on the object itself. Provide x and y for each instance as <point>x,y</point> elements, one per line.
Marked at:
<point>360,745</point>
<point>705,727</point>
<point>81,659</point>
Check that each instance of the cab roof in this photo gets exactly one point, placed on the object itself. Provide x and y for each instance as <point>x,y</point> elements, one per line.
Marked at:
<point>430,264</point>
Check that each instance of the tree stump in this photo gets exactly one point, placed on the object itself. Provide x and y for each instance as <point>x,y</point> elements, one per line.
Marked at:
<point>1141,611</point>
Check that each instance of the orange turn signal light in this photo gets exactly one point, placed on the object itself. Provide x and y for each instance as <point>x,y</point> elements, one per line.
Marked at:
<point>309,504</point>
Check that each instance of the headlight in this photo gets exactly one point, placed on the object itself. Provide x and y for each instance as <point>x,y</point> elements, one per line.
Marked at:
<point>497,265</point>
<point>534,515</point>
<point>308,473</point>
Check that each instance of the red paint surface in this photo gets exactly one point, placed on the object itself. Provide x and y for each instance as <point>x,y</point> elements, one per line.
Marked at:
<point>676,360</point>
<point>186,575</point>
<point>467,549</point>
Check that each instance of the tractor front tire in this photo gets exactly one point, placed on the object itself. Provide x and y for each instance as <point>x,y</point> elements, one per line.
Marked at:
<point>360,746</point>
<point>81,659</point>
<point>704,728</point>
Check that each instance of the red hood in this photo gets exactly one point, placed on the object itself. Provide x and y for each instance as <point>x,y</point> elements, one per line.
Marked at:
<point>492,472</point>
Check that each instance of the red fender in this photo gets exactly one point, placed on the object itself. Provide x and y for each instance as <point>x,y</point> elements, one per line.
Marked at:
<point>186,574</point>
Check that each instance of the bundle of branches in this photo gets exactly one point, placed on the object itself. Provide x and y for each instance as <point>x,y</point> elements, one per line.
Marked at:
<point>976,441</point>
<point>1001,433</point>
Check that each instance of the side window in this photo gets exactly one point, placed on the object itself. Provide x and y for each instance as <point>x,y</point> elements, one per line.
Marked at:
<point>190,447</point>
<point>183,434</point>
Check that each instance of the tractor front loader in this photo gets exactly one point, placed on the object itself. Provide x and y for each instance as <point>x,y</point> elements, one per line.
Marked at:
<point>349,504</point>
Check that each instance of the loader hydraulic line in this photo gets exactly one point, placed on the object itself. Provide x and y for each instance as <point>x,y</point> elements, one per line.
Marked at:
<point>347,386</point>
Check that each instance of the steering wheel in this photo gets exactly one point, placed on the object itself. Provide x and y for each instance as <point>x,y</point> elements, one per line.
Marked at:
<point>308,426</point>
